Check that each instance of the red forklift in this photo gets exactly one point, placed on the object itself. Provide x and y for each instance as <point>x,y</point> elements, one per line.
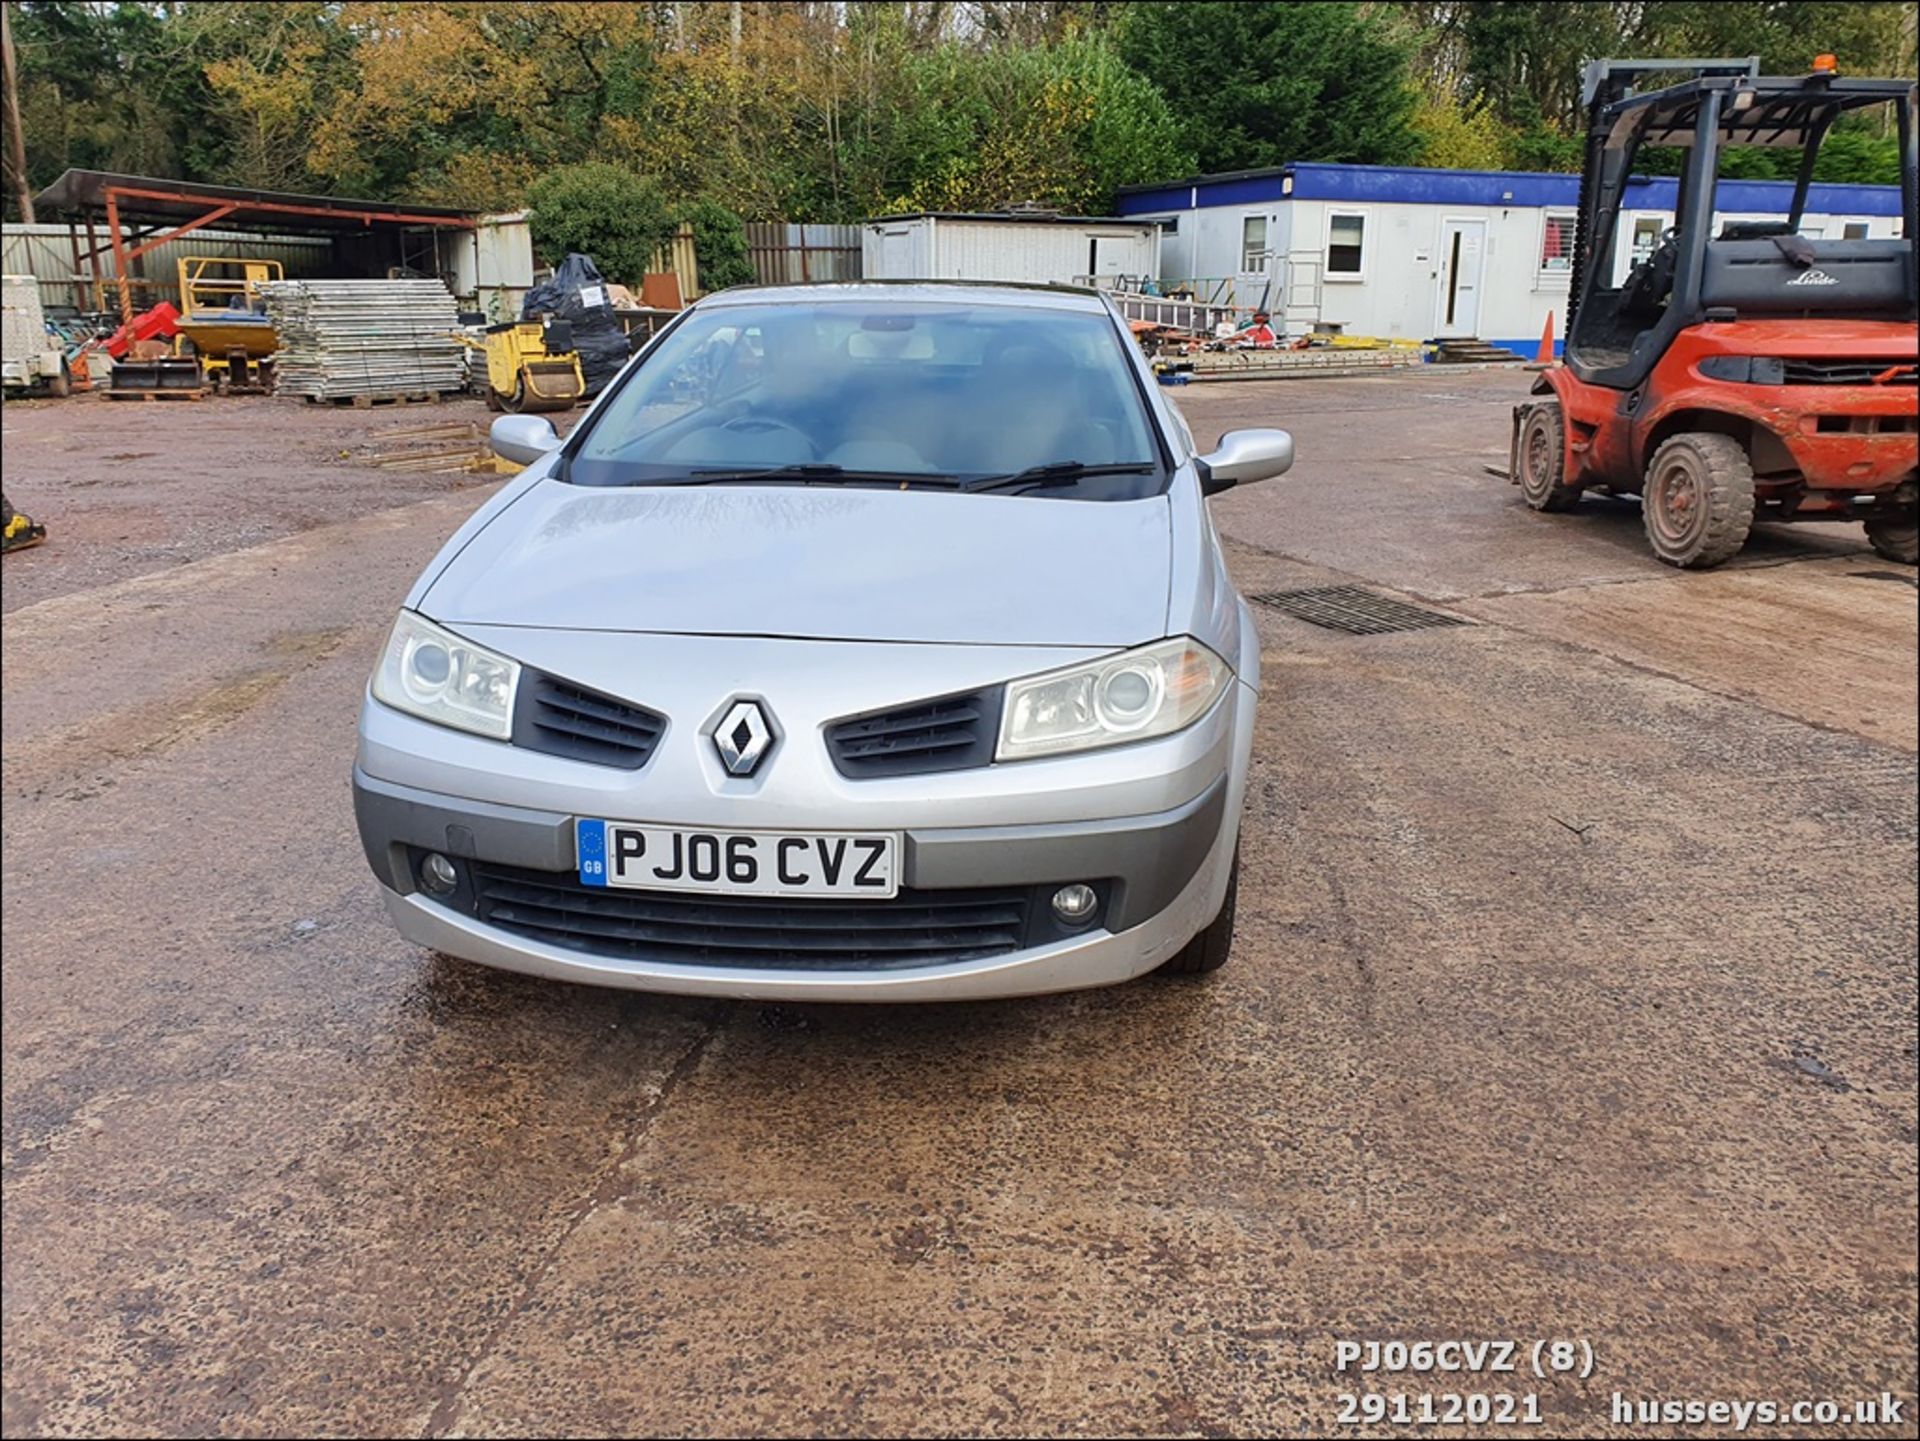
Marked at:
<point>1739,370</point>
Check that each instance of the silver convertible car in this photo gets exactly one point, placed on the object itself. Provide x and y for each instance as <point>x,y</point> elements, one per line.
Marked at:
<point>862,642</point>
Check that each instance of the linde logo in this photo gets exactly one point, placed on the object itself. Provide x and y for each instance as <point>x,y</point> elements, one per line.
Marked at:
<point>1813,277</point>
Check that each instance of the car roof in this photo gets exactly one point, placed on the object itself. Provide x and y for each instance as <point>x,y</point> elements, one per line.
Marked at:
<point>913,292</point>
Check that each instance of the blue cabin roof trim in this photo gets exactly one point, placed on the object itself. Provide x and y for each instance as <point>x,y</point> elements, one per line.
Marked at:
<point>1407,185</point>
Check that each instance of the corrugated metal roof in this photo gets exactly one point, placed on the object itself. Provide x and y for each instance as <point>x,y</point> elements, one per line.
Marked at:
<point>85,191</point>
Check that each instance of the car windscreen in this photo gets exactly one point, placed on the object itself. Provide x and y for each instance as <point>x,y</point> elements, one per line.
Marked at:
<point>880,392</point>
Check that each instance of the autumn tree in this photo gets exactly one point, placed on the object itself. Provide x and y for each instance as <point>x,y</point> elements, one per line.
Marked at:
<point>803,110</point>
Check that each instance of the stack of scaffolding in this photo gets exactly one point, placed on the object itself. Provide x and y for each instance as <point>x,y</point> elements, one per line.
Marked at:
<point>377,338</point>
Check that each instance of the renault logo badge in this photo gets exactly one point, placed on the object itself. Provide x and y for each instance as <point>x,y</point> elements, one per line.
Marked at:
<point>743,737</point>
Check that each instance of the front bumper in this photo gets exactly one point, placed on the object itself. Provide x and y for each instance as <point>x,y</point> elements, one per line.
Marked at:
<point>1163,875</point>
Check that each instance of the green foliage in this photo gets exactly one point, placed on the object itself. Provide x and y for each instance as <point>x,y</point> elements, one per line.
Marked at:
<point>1258,84</point>
<point>1855,153</point>
<point>838,112</point>
<point>1063,125</point>
<point>1541,147</point>
<point>1460,137</point>
<point>617,218</point>
<point>719,245</point>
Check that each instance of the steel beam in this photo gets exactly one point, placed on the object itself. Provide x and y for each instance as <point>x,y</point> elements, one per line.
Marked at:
<point>163,238</point>
<point>119,259</point>
<point>366,217</point>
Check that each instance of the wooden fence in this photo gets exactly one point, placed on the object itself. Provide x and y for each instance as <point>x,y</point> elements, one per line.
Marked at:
<point>784,254</point>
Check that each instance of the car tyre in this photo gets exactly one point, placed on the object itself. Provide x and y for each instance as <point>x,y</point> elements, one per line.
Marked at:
<point>1896,537</point>
<point>1698,504</point>
<point>1541,458</point>
<point>1208,951</point>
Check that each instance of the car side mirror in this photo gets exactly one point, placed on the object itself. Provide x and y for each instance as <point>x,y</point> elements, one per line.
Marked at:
<point>1244,456</point>
<point>523,439</point>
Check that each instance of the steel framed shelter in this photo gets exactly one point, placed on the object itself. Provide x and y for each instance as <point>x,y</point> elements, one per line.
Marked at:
<point>163,210</point>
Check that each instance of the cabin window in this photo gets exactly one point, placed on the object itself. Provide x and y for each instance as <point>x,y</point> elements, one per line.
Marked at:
<point>1253,244</point>
<point>1855,230</point>
<point>1346,243</point>
<point>1556,243</point>
<point>1646,237</point>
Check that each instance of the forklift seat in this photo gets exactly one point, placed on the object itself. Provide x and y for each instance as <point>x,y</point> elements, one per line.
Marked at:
<point>1644,292</point>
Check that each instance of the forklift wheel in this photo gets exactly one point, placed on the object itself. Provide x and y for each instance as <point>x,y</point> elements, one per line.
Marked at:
<point>1541,459</point>
<point>1896,537</point>
<point>61,385</point>
<point>493,399</point>
<point>1698,504</point>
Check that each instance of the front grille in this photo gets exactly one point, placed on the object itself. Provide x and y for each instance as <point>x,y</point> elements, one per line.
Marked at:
<point>952,733</point>
<point>563,719</point>
<point>915,928</point>
<point>1851,372</point>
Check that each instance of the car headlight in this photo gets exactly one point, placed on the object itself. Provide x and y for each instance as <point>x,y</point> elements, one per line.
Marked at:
<point>1136,695</point>
<point>434,674</point>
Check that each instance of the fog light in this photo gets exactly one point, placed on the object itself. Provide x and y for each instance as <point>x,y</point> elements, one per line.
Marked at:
<point>1075,903</point>
<point>438,875</point>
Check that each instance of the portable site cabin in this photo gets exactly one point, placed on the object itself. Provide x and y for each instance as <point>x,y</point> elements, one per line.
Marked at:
<point>1420,254</point>
<point>1036,249</point>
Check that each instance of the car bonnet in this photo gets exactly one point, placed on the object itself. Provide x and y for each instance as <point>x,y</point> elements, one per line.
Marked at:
<point>817,562</point>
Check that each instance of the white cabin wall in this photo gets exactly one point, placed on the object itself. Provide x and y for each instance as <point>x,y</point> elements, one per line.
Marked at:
<point>1044,253</point>
<point>493,262</point>
<point>1035,254</point>
<point>1398,294</point>
<point>897,249</point>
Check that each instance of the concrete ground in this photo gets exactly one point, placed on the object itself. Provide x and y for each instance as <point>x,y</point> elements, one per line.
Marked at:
<point>1574,998</point>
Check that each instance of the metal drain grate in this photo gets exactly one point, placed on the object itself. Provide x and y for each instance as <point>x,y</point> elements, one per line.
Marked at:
<point>1356,611</point>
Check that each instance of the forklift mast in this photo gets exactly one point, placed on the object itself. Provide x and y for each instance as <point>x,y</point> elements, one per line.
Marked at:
<point>1602,84</point>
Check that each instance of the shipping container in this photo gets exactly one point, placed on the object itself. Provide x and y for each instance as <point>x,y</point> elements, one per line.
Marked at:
<point>1030,249</point>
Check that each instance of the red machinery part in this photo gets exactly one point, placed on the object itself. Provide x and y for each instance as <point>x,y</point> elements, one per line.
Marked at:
<point>160,323</point>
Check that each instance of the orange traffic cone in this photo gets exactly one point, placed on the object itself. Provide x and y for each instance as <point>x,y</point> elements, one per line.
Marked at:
<point>1543,357</point>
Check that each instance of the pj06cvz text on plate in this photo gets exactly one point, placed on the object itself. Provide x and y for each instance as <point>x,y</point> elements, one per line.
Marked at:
<point>845,865</point>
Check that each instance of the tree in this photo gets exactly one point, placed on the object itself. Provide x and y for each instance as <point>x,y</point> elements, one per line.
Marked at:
<point>1062,125</point>
<point>719,245</point>
<point>1257,84</point>
<point>1523,58</point>
<point>272,71</point>
<point>802,110</point>
<point>1460,137</point>
<point>610,214</point>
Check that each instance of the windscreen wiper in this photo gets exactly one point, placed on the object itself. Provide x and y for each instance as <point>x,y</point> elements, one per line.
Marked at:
<point>820,473</point>
<point>1056,472</point>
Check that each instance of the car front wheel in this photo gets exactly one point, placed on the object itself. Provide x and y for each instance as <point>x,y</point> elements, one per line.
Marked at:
<point>1208,951</point>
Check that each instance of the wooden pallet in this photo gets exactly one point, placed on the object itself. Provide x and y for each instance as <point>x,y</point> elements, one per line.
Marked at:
<point>367,402</point>
<point>156,394</point>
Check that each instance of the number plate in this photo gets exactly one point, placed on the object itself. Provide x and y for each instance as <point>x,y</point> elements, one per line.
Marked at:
<point>849,865</point>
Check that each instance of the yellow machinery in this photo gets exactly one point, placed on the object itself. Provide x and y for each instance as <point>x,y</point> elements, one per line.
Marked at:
<point>223,319</point>
<point>531,365</point>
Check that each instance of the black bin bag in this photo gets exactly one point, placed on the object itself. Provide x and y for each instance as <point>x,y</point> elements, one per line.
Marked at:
<point>577,294</point>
